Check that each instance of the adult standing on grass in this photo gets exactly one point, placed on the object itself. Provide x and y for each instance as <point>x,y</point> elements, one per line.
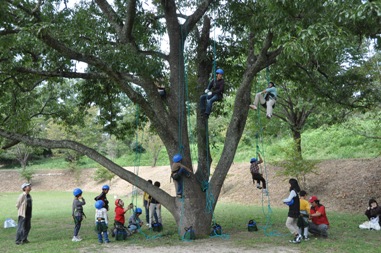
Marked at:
<point>146,205</point>
<point>293,212</point>
<point>319,222</point>
<point>154,207</point>
<point>77,212</point>
<point>24,206</point>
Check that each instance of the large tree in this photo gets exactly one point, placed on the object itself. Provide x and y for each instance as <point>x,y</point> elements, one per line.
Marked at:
<point>121,45</point>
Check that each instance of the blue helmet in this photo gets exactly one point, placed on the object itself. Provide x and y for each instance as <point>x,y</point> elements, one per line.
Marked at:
<point>220,71</point>
<point>252,160</point>
<point>138,210</point>
<point>105,187</point>
<point>99,204</point>
<point>77,192</point>
<point>177,158</point>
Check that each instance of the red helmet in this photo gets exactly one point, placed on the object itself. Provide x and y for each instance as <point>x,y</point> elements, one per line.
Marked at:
<point>117,202</point>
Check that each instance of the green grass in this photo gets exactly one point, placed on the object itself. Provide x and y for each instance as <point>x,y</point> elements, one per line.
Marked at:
<point>52,228</point>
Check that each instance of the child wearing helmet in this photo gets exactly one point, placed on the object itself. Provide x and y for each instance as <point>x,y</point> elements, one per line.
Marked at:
<point>120,211</point>
<point>134,223</point>
<point>214,92</point>
<point>267,98</point>
<point>77,212</point>
<point>101,221</point>
<point>254,170</point>
<point>103,196</point>
<point>178,170</point>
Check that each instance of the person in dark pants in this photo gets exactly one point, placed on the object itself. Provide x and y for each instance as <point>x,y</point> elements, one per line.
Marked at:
<point>24,206</point>
<point>77,213</point>
<point>254,170</point>
<point>178,171</point>
<point>214,92</point>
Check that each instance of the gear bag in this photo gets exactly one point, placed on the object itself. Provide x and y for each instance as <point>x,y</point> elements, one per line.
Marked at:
<point>252,226</point>
<point>157,227</point>
<point>216,230</point>
<point>189,234</point>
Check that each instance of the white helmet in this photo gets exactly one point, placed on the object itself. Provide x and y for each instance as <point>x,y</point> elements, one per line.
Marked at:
<point>24,185</point>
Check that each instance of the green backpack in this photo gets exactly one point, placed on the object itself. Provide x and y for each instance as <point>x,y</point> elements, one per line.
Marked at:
<point>189,234</point>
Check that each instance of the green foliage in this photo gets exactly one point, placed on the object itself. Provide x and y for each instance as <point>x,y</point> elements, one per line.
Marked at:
<point>294,165</point>
<point>103,174</point>
<point>26,174</point>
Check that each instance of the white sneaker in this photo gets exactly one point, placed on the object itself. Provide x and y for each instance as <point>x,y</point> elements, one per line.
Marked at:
<point>76,239</point>
<point>253,107</point>
<point>147,224</point>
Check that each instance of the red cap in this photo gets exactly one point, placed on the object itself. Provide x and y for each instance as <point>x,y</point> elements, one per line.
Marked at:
<point>313,199</point>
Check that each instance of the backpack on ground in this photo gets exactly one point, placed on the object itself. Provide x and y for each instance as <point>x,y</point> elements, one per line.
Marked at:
<point>216,230</point>
<point>252,226</point>
<point>157,227</point>
<point>189,234</point>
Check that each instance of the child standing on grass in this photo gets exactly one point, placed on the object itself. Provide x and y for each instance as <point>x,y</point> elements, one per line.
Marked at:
<point>101,221</point>
<point>77,212</point>
<point>304,214</point>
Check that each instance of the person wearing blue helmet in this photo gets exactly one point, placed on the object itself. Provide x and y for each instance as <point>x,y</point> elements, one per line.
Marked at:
<point>77,212</point>
<point>256,175</point>
<point>101,221</point>
<point>103,195</point>
<point>178,170</point>
<point>214,92</point>
<point>267,98</point>
<point>134,222</point>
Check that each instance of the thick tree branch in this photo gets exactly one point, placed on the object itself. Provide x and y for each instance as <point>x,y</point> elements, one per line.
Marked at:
<point>111,15</point>
<point>126,33</point>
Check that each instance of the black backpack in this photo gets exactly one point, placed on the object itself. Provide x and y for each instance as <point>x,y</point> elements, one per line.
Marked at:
<point>252,226</point>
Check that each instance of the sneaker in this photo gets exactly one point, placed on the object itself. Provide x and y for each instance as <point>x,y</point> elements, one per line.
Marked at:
<point>258,186</point>
<point>297,239</point>
<point>268,116</point>
<point>253,107</point>
<point>147,224</point>
<point>76,239</point>
<point>306,238</point>
<point>26,241</point>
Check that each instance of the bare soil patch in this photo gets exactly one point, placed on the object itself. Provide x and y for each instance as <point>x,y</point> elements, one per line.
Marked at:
<point>341,185</point>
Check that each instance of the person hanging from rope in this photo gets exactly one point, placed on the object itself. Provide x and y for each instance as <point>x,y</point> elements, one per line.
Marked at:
<point>214,92</point>
<point>178,170</point>
<point>267,98</point>
<point>254,169</point>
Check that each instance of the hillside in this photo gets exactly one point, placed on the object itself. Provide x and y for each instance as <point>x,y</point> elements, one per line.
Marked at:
<point>341,185</point>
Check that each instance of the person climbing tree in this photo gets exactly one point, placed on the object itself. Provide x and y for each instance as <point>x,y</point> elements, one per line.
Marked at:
<point>214,92</point>
<point>267,98</point>
<point>178,170</point>
<point>254,169</point>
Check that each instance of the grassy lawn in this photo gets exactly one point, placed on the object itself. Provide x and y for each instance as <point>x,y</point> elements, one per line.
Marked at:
<point>52,228</point>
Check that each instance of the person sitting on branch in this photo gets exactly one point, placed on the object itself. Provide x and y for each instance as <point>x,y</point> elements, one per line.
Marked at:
<point>214,92</point>
<point>267,98</point>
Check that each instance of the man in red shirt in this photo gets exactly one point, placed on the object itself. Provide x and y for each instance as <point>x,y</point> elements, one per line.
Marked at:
<point>319,222</point>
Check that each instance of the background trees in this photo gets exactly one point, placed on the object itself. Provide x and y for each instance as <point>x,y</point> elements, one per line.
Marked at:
<point>121,45</point>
